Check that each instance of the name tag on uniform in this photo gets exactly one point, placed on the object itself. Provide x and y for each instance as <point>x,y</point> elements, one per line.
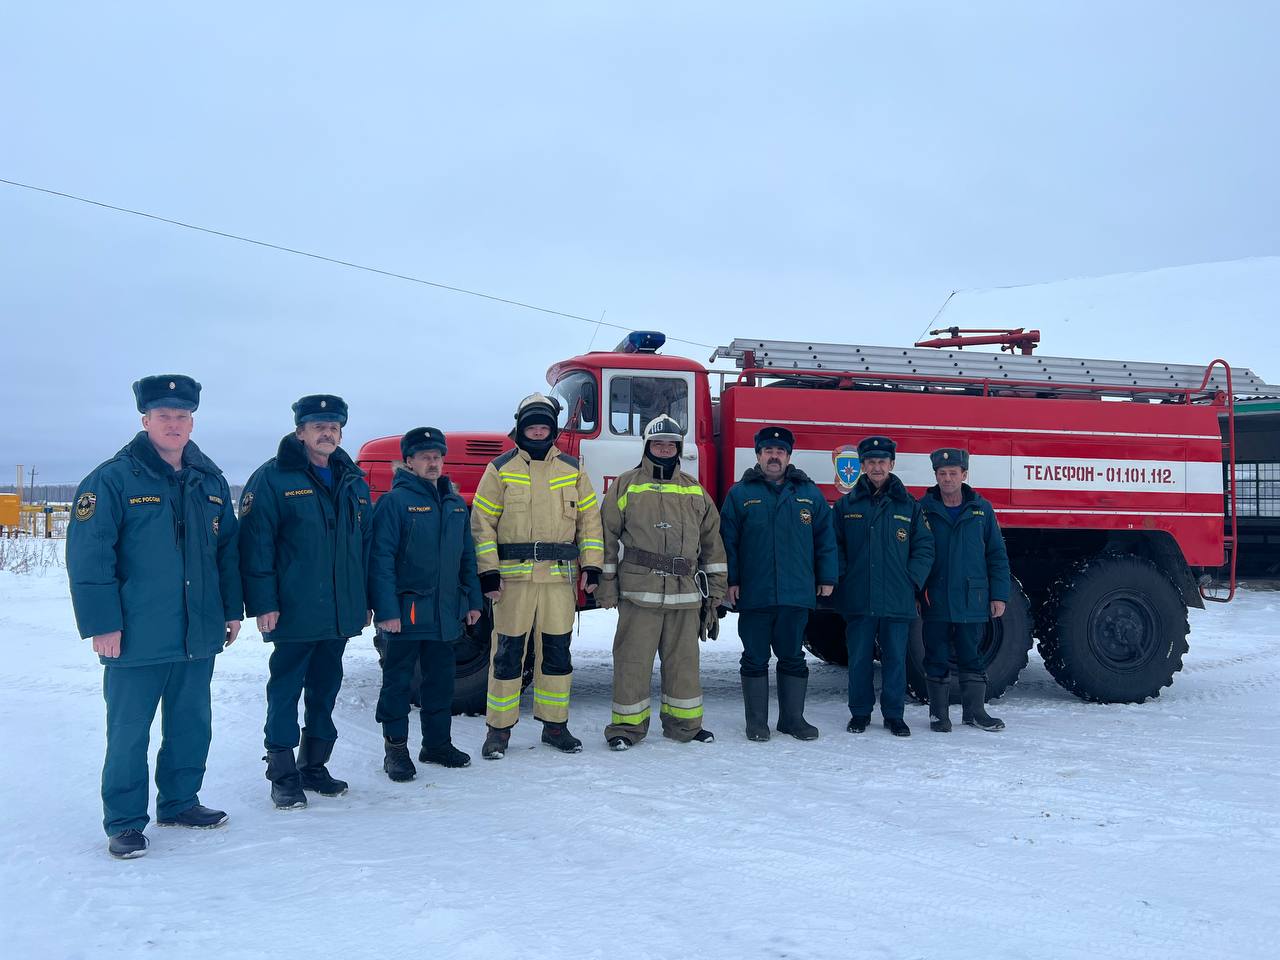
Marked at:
<point>803,500</point>
<point>853,516</point>
<point>213,499</point>
<point>419,509</point>
<point>135,501</point>
<point>304,492</point>
<point>747,503</point>
<point>898,516</point>
<point>979,513</point>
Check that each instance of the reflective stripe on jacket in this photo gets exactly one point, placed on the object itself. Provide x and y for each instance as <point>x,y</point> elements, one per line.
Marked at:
<point>673,518</point>
<point>521,500</point>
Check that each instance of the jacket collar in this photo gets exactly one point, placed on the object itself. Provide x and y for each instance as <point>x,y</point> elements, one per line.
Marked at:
<point>292,455</point>
<point>408,480</point>
<point>893,488</point>
<point>792,475</point>
<point>143,452</point>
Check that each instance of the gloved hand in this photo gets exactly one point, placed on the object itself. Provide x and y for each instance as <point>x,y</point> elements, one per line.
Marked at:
<point>607,593</point>
<point>490,582</point>
<point>710,628</point>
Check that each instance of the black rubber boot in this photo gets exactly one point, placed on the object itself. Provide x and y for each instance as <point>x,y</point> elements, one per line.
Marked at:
<point>446,755</point>
<point>495,743</point>
<point>940,706</point>
<point>791,692</point>
<point>703,736</point>
<point>396,762</point>
<point>755,698</point>
<point>197,817</point>
<point>973,696</point>
<point>312,757</point>
<point>558,735</point>
<point>128,845</point>
<point>286,782</point>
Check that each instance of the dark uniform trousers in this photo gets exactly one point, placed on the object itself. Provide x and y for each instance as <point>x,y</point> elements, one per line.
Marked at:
<point>941,637</point>
<point>779,628</point>
<point>297,665</point>
<point>132,695</point>
<point>860,636</point>
<point>436,692</point>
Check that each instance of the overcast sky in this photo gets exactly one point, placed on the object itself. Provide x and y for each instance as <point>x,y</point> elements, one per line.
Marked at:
<point>825,171</point>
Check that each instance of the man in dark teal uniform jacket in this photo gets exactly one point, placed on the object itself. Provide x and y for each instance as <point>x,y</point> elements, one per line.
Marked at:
<point>423,588</point>
<point>305,522</point>
<point>968,586</point>
<point>886,553</point>
<point>151,555</point>
<point>781,551</point>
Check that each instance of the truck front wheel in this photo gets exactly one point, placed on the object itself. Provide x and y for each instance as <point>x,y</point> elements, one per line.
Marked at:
<point>1115,630</point>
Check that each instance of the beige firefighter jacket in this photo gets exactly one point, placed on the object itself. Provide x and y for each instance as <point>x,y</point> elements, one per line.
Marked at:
<point>673,518</point>
<point>520,500</point>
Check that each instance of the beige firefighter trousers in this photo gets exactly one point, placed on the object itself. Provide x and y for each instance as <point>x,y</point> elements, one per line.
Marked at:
<point>546,609</point>
<point>673,636</point>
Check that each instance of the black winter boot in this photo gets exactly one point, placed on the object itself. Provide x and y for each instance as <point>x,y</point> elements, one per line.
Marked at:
<point>558,735</point>
<point>940,706</point>
<point>128,845</point>
<point>312,757</point>
<point>898,728</point>
<point>973,696</point>
<point>286,782</point>
<point>755,697</point>
<point>396,762</point>
<point>195,817</point>
<point>495,743</point>
<point>791,691</point>
<point>446,755</point>
<point>857,724</point>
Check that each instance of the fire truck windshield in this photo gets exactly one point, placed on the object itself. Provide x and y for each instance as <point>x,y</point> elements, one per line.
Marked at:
<point>577,395</point>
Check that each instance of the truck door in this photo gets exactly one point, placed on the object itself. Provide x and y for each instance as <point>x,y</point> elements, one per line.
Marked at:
<point>632,399</point>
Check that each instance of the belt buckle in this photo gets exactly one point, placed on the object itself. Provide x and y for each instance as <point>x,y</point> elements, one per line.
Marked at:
<point>536,545</point>
<point>680,567</point>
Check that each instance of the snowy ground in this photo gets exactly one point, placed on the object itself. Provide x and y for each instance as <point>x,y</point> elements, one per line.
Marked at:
<point>1081,831</point>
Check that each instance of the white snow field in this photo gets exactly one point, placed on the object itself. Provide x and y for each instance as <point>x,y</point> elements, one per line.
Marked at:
<point>1081,831</point>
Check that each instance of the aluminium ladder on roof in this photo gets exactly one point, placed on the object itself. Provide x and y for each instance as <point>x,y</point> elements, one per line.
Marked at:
<point>920,366</point>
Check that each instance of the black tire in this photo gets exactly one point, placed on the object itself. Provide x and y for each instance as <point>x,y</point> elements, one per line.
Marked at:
<point>471,665</point>
<point>824,637</point>
<point>1115,630</point>
<point>1007,643</point>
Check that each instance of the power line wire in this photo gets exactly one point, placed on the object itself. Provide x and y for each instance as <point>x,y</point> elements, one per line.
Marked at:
<point>334,260</point>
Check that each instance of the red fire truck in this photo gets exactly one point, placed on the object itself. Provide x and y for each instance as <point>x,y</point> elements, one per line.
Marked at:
<point>1107,476</point>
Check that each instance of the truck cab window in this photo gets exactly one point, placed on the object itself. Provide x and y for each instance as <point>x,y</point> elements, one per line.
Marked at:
<point>634,401</point>
<point>578,402</point>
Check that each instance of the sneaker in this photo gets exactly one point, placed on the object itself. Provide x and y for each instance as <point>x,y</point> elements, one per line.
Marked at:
<point>446,756</point>
<point>558,736</point>
<point>858,724</point>
<point>198,817</point>
<point>127,845</point>
<point>619,744</point>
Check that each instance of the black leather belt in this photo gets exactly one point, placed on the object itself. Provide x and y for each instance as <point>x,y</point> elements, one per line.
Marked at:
<point>537,552</point>
<point>659,562</point>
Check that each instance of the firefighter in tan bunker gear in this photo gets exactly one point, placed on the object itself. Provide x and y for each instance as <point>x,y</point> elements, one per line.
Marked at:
<point>536,524</point>
<point>670,575</point>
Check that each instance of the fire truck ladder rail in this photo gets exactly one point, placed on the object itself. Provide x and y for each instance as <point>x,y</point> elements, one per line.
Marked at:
<point>924,366</point>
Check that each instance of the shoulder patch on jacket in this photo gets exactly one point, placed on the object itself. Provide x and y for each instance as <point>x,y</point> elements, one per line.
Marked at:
<point>571,461</point>
<point>504,458</point>
<point>86,504</point>
<point>246,502</point>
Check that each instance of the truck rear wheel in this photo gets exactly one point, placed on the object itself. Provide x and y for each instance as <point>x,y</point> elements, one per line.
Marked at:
<point>471,665</point>
<point>824,637</point>
<point>1005,649</point>
<point>1115,630</point>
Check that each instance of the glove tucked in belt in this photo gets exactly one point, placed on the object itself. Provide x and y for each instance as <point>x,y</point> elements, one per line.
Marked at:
<point>538,552</point>
<point>659,562</point>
